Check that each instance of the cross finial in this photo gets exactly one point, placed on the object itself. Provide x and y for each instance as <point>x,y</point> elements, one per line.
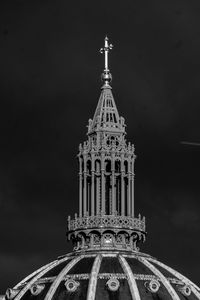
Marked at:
<point>106,76</point>
<point>105,50</point>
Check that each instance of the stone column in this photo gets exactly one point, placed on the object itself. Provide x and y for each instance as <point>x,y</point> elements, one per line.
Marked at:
<point>122,187</point>
<point>132,181</point>
<point>85,187</point>
<point>92,187</point>
<point>132,195</point>
<point>129,189</point>
<point>80,188</point>
<point>97,189</point>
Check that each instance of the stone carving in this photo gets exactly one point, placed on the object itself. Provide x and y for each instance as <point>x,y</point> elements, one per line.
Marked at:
<point>185,290</point>
<point>153,285</point>
<point>107,221</point>
<point>36,289</point>
<point>113,284</point>
<point>71,285</point>
<point>11,293</point>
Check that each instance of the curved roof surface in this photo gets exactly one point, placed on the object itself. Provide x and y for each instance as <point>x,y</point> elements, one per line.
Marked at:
<point>105,275</point>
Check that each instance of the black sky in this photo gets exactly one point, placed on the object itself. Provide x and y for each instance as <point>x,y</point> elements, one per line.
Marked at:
<point>49,87</point>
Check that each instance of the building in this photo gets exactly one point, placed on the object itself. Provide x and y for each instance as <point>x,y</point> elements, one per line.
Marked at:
<point>106,262</point>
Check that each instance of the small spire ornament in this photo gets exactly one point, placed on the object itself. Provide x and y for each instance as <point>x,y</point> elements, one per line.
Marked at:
<point>106,75</point>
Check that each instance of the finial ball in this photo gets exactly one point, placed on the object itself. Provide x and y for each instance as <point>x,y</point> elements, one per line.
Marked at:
<point>106,76</point>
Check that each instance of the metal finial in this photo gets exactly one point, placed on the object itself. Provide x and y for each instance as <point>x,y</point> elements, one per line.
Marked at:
<point>105,50</point>
<point>106,76</point>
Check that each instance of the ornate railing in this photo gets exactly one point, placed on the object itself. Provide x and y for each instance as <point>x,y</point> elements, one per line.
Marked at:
<point>107,221</point>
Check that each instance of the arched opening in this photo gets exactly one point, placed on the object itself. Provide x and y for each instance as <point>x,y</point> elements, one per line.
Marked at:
<point>97,186</point>
<point>108,187</point>
<point>117,166</point>
<point>89,167</point>
<point>126,195</point>
<point>126,166</point>
<point>107,239</point>
<point>88,182</point>
<point>118,185</point>
<point>97,166</point>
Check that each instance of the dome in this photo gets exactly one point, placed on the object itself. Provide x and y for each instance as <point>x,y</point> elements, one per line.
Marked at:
<point>106,262</point>
<point>97,275</point>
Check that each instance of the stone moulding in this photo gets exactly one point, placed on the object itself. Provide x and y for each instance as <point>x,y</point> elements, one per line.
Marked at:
<point>85,276</point>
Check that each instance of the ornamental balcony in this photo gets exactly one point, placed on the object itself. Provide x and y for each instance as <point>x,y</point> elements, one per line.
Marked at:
<point>107,221</point>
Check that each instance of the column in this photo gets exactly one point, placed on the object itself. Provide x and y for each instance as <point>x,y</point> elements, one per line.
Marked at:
<point>97,187</point>
<point>80,188</point>
<point>129,189</point>
<point>85,187</point>
<point>132,190</point>
<point>88,193</point>
<point>122,188</point>
<point>92,187</point>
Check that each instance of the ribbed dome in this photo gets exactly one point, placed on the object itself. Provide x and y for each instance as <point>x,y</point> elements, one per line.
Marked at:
<point>105,275</point>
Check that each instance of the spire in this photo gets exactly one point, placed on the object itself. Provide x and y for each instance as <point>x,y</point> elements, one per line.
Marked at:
<point>106,75</point>
<point>106,116</point>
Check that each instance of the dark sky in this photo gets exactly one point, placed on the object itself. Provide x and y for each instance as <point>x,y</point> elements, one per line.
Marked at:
<point>49,86</point>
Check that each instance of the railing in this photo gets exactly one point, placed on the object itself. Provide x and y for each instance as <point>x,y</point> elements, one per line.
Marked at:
<point>107,221</point>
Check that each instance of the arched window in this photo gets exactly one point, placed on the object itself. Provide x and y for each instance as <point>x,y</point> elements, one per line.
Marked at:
<point>117,166</point>
<point>126,166</point>
<point>108,186</point>
<point>108,166</point>
<point>97,166</point>
<point>126,195</point>
<point>89,167</point>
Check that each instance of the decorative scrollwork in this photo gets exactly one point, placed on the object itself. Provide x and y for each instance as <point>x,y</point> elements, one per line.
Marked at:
<point>11,293</point>
<point>119,239</point>
<point>107,221</point>
<point>71,285</point>
<point>36,289</point>
<point>108,239</point>
<point>153,285</point>
<point>185,290</point>
<point>113,284</point>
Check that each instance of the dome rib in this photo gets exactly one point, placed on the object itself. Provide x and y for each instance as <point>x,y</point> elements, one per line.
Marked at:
<point>131,280</point>
<point>58,279</point>
<point>195,289</point>
<point>165,282</point>
<point>33,274</point>
<point>93,278</point>
<point>40,274</point>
